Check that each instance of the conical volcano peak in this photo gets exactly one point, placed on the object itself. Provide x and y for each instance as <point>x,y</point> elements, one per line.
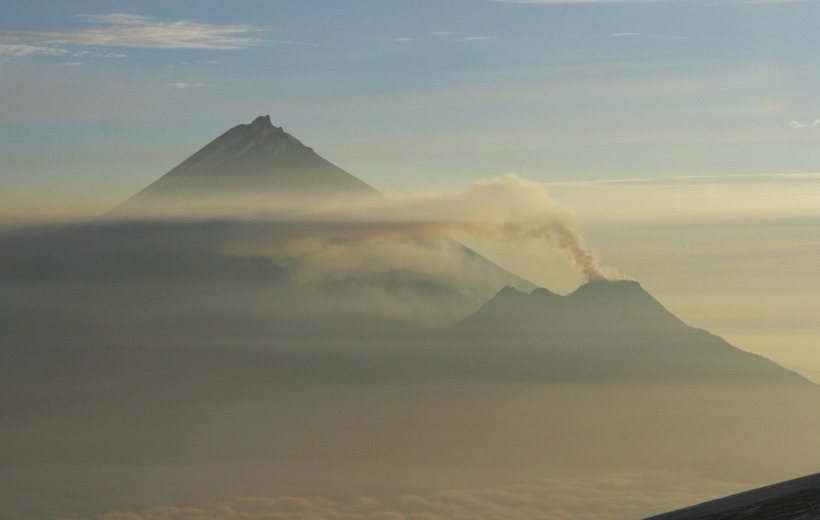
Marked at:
<point>263,126</point>
<point>262,138</point>
<point>611,292</point>
<point>600,306</point>
<point>261,132</point>
<point>262,121</point>
<point>623,301</point>
<point>252,159</point>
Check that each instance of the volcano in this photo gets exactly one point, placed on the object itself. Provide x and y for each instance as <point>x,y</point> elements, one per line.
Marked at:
<point>230,214</point>
<point>140,355</point>
<point>605,330</point>
<point>596,305</point>
<point>257,159</point>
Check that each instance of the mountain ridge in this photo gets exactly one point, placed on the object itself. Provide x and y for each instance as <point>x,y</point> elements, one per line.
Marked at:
<point>604,298</point>
<point>605,329</point>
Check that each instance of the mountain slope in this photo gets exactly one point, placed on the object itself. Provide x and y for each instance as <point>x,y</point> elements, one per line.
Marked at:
<point>253,159</point>
<point>603,330</point>
<point>797,499</point>
<point>601,305</point>
<point>230,214</point>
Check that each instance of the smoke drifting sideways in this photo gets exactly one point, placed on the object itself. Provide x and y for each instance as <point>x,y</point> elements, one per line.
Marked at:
<point>506,210</point>
<point>379,256</point>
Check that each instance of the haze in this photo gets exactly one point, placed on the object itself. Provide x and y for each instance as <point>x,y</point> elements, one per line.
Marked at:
<point>441,259</point>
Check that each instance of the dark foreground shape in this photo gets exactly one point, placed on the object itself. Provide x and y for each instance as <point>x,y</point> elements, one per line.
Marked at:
<point>797,499</point>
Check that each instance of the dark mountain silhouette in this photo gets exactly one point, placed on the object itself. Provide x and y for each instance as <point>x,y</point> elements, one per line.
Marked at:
<point>797,499</point>
<point>256,158</point>
<point>620,304</point>
<point>208,221</point>
<point>603,330</point>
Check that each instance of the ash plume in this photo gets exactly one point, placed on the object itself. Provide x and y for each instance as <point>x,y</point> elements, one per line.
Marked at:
<point>326,235</point>
<point>505,209</point>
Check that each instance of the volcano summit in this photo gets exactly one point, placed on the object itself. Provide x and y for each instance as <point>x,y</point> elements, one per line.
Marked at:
<point>252,159</point>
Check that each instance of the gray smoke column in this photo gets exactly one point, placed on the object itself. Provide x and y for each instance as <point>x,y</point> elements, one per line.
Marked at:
<point>515,210</point>
<point>557,233</point>
<point>570,242</point>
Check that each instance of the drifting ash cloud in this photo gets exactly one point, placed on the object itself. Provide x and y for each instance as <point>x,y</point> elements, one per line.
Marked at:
<point>505,209</point>
<point>331,238</point>
<point>508,210</point>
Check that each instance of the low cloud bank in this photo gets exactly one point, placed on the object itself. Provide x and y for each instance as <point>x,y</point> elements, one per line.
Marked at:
<point>607,496</point>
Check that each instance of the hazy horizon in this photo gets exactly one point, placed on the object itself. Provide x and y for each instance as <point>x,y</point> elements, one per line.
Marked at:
<point>310,317</point>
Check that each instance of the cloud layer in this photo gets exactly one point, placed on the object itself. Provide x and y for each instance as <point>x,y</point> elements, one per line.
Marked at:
<point>606,496</point>
<point>134,31</point>
<point>573,2</point>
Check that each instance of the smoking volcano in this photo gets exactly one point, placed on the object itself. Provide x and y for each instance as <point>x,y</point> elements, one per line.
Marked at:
<point>259,304</point>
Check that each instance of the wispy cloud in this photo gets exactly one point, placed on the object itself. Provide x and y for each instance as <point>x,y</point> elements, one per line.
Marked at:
<point>442,37</point>
<point>733,200</point>
<point>799,125</point>
<point>581,1</point>
<point>642,35</point>
<point>135,31</point>
<point>754,178</point>
<point>21,49</point>
<point>185,85</point>
<point>571,2</point>
<point>476,38</point>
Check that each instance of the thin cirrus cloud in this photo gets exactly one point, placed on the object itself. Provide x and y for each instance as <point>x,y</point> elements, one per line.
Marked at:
<point>799,125</point>
<point>476,38</point>
<point>582,1</point>
<point>136,31</point>
<point>729,180</point>
<point>445,36</point>
<point>571,2</point>
<point>22,49</point>
<point>185,85</point>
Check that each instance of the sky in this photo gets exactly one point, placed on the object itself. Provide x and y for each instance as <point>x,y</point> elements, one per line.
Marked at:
<point>683,134</point>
